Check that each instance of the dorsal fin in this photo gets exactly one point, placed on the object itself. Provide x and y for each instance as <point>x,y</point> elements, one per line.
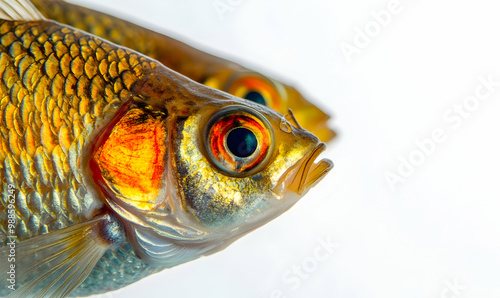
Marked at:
<point>19,10</point>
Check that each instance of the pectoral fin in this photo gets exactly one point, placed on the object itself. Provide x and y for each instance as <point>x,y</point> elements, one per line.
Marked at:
<point>54,264</point>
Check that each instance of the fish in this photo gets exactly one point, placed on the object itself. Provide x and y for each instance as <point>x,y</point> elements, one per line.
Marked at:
<point>198,65</point>
<point>114,167</point>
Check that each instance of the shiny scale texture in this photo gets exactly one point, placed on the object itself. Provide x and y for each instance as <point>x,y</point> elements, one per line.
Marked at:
<point>62,85</point>
<point>172,53</point>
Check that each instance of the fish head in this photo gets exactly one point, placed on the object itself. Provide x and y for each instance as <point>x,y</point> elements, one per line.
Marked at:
<point>241,164</point>
<point>280,97</point>
<point>189,175</point>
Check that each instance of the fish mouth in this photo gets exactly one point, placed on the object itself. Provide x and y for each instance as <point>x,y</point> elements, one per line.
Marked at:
<point>305,173</point>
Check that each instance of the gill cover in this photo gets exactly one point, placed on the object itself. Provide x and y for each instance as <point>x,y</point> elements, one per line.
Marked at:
<point>129,156</point>
<point>129,164</point>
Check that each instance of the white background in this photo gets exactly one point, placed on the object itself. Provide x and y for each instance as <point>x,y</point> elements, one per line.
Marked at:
<point>440,227</point>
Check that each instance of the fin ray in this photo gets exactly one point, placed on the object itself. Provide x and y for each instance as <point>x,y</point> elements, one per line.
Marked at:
<point>19,10</point>
<point>54,264</point>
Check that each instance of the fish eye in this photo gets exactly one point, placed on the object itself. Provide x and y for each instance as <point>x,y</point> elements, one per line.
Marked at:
<point>239,140</point>
<point>255,96</point>
<point>257,89</point>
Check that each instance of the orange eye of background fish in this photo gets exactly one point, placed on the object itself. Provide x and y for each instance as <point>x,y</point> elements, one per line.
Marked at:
<point>238,140</point>
<point>257,89</point>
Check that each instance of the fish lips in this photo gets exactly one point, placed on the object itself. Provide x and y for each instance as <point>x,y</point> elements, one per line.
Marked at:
<point>302,176</point>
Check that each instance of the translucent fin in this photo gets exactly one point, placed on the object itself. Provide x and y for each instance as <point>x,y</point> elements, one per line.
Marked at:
<point>54,264</point>
<point>19,10</point>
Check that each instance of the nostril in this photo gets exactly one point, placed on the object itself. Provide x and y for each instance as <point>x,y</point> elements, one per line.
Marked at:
<point>287,119</point>
<point>285,126</point>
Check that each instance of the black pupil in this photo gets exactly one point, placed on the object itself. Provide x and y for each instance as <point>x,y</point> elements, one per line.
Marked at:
<point>255,97</point>
<point>241,142</point>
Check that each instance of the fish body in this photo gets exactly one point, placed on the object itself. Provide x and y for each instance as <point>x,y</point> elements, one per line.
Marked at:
<point>114,167</point>
<point>201,67</point>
